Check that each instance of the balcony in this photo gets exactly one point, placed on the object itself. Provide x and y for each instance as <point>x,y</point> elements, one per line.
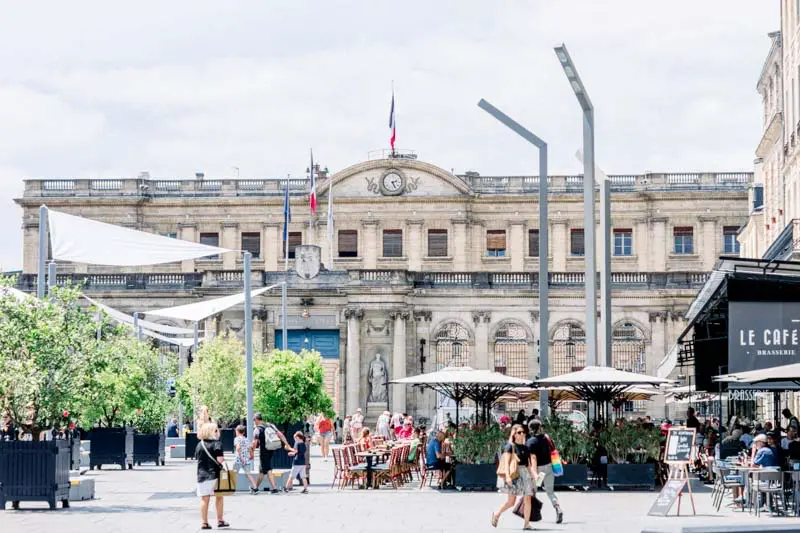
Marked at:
<point>227,279</point>
<point>228,188</point>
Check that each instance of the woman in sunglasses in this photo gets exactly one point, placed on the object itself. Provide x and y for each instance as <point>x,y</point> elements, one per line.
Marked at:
<point>515,476</point>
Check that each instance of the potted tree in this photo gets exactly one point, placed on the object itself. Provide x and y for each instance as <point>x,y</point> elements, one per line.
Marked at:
<point>154,404</point>
<point>576,449</point>
<point>475,448</point>
<point>46,350</point>
<point>632,452</point>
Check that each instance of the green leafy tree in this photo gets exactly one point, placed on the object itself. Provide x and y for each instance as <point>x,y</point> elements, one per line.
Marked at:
<point>216,379</point>
<point>46,347</point>
<point>288,387</point>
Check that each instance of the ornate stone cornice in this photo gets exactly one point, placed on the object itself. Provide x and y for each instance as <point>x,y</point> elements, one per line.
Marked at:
<point>402,314</point>
<point>260,314</point>
<point>534,316</point>
<point>657,316</point>
<point>353,312</point>
<point>230,224</point>
<point>423,316</point>
<point>678,315</point>
<point>481,316</point>
<point>369,222</point>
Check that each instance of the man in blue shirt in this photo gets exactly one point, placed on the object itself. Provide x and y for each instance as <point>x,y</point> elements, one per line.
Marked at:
<point>765,456</point>
<point>435,458</point>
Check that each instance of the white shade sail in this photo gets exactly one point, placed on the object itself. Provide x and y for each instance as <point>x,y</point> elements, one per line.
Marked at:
<point>602,375</point>
<point>463,375</point>
<point>200,310</point>
<point>16,293</point>
<point>83,240</point>
<point>179,341</point>
<point>125,318</point>
<point>766,375</point>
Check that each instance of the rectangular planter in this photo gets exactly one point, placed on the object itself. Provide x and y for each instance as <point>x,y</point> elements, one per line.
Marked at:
<point>575,475</point>
<point>149,448</point>
<point>34,472</point>
<point>631,476</point>
<point>476,477</point>
<point>227,436</point>
<point>111,446</point>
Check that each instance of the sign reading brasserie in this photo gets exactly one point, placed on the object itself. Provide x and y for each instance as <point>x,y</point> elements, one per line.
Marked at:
<point>762,335</point>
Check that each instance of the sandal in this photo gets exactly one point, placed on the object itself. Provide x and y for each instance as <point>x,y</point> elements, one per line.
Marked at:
<point>205,526</point>
<point>494,520</point>
<point>222,524</point>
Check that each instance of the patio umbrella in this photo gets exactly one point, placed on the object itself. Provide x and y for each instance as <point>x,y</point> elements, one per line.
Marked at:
<point>765,375</point>
<point>459,383</point>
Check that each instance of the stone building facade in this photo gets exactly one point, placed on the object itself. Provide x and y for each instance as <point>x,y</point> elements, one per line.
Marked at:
<point>429,268</point>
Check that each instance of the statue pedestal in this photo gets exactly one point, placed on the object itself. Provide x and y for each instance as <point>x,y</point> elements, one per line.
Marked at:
<point>374,410</point>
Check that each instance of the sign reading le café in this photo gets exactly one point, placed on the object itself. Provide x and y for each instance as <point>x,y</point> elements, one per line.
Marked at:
<point>763,335</point>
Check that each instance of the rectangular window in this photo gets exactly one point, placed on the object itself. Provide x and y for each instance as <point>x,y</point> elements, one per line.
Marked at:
<point>533,243</point>
<point>251,242</point>
<point>623,242</point>
<point>758,196</point>
<point>576,245</point>
<point>437,243</point>
<point>392,243</point>
<point>730,243</point>
<point>171,235</point>
<point>210,239</point>
<point>295,240</point>
<point>348,243</point>
<point>684,239</point>
<point>496,243</point>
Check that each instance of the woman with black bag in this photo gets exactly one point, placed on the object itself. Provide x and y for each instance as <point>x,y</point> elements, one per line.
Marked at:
<point>515,477</point>
<point>210,462</point>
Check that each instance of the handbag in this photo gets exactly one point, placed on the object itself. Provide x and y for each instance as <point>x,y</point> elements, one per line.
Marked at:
<point>226,480</point>
<point>536,509</point>
<point>509,467</point>
<point>555,459</point>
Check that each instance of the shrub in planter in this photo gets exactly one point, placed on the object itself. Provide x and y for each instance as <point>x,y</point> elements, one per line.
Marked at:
<point>34,471</point>
<point>475,448</point>
<point>576,449</point>
<point>631,451</point>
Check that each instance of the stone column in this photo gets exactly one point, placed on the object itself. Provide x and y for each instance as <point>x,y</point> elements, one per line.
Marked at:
<point>641,246</point>
<point>324,244</point>
<point>709,243</point>
<point>417,246</point>
<point>661,244</point>
<point>188,232</point>
<point>259,318</point>
<point>657,351</point>
<point>516,246</point>
<point>370,245</point>
<point>230,232</point>
<point>560,245</point>
<point>271,246</point>
<point>30,240</point>
<point>481,320</point>
<point>460,246</point>
<point>478,231</point>
<point>399,359</point>
<point>353,316</point>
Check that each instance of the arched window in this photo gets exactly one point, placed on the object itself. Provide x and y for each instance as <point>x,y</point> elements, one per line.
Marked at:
<point>511,351</point>
<point>628,354</point>
<point>452,345</point>
<point>568,349</point>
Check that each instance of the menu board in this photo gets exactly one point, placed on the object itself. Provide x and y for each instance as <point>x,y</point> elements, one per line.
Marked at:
<point>666,498</point>
<point>680,445</point>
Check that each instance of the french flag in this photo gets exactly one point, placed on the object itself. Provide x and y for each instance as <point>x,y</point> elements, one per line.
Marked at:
<point>313,197</point>
<point>392,123</point>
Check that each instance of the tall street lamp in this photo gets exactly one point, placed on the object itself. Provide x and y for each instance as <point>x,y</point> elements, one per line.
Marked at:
<point>544,360</point>
<point>589,222</point>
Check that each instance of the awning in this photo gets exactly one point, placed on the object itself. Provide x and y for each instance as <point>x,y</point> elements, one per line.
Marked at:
<point>774,374</point>
<point>602,375</point>
<point>200,310</point>
<point>124,318</point>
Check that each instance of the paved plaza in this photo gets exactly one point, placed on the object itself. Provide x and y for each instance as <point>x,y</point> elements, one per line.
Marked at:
<point>154,500</point>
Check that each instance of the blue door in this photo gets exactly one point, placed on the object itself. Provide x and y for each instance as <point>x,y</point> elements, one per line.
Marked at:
<point>325,341</point>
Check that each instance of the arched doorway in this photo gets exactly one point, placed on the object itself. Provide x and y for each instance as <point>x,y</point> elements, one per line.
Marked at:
<point>452,346</point>
<point>568,354</point>
<point>628,353</point>
<point>511,350</point>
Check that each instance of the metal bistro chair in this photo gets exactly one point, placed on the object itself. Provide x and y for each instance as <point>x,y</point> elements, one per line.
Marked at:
<point>769,482</point>
<point>726,481</point>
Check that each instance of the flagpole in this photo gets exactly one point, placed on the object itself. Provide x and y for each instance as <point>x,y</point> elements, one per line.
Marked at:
<point>330,223</point>
<point>286,212</point>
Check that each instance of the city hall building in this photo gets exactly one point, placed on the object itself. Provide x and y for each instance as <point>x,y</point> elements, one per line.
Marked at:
<point>428,268</point>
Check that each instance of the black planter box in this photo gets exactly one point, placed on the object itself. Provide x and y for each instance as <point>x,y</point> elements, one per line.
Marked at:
<point>631,476</point>
<point>111,446</point>
<point>34,472</point>
<point>280,457</point>
<point>190,442</point>
<point>149,448</point>
<point>476,477</point>
<point>575,475</point>
<point>227,436</point>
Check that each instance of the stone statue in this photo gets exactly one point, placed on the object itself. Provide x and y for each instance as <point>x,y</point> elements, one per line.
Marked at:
<point>377,380</point>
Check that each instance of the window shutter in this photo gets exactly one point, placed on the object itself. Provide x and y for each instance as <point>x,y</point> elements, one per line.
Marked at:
<point>533,243</point>
<point>496,240</point>
<point>392,243</point>
<point>348,243</point>
<point>437,243</point>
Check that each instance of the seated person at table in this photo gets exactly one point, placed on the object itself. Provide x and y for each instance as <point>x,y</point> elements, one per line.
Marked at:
<point>414,444</point>
<point>765,456</point>
<point>406,431</point>
<point>364,443</point>
<point>434,457</point>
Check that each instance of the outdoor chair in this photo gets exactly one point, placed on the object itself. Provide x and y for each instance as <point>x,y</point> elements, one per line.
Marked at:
<point>725,482</point>
<point>389,471</point>
<point>428,475</point>
<point>769,482</point>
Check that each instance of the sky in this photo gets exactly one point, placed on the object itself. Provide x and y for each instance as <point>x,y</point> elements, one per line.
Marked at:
<point>94,89</point>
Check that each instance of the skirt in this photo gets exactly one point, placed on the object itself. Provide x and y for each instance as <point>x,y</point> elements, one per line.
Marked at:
<point>206,488</point>
<point>522,486</point>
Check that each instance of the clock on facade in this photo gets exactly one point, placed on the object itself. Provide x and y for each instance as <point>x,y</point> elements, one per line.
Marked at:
<point>392,183</point>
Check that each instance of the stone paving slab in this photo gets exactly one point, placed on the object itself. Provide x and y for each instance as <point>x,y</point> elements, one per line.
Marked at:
<point>152,499</point>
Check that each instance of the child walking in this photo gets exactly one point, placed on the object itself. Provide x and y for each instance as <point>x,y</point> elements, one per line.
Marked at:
<point>244,457</point>
<point>299,463</point>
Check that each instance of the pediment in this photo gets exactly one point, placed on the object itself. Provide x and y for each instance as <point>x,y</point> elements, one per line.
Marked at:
<point>385,178</point>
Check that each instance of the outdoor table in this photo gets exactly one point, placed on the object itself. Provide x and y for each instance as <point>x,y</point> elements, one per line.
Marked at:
<point>370,457</point>
<point>745,472</point>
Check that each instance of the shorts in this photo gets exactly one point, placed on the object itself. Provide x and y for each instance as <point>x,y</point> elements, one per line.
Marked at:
<point>238,465</point>
<point>440,464</point>
<point>206,488</point>
<point>266,461</point>
<point>326,435</point>
<point>298,470</point>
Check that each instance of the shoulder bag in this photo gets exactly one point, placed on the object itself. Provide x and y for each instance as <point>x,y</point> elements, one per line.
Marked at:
<point>226,480</point>
<point>555,458</point>
<point>509,465</point>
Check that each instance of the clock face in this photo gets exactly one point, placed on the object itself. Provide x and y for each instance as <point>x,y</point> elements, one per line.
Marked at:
<point>392,182</point>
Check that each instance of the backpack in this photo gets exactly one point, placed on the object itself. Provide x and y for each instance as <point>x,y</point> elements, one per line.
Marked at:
<point>272,441</point>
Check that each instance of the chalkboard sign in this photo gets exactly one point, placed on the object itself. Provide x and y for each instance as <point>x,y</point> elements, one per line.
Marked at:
<point>667,496</point>
<point>680,445</point>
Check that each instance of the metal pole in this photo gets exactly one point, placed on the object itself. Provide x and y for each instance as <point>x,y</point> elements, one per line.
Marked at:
<point>544,356</point>
<point>248,342</point>
<point>181,369</point>
<point>284,325</point>
<point>194,388</point>
<point>51,276</point>
<point>590,249</point>
<point>136,326</point>
<point>42,271</point>
<point>605,272</point>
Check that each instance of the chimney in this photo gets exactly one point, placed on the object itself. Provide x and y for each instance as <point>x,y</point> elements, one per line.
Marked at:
<point>144,175</point>
<point>199,175</point>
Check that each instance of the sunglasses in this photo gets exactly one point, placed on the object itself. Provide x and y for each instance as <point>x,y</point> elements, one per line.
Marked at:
<point>519,432</point>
